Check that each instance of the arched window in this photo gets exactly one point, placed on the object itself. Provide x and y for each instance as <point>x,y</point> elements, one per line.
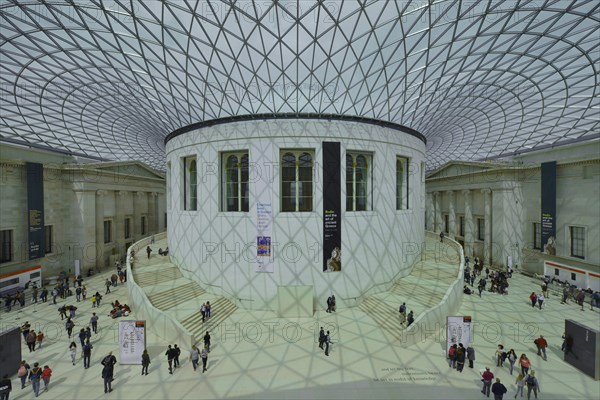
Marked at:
<point>235,182</point>
<point>296,181</point>
<point>358,182</point>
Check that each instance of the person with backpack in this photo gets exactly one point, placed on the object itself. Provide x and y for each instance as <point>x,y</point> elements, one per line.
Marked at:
<point>452,356</point>
<point>34,376</point>
<point>22,373</point>
<point>532,384</point>
<point>498,389</point>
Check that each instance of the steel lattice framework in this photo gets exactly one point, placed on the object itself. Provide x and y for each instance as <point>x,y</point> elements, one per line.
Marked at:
<point>111,79</point>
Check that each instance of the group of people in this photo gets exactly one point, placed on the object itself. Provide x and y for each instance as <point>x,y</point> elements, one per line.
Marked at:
<point>324,340</point>
<point>498,389</point>
<point>119,310</point>
<point>407,319</point>
<point>31,337</point>
<point>458,354</point>
<point>173,353</point>
<point>25,372</point>
<point>331,303</point>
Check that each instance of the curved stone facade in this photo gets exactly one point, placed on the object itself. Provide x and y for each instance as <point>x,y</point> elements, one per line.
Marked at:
<point>213,233</point>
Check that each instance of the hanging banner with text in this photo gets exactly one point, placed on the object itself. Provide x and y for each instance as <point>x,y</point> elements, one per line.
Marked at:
<point>548,218</point>
<point>262,174</point>
<point>332,207</point>
<point>459,331</point>
<point>132,341</point>
<point>35,210</point>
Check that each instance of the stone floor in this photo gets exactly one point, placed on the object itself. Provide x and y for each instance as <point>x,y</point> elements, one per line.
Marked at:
<point>258,355</point>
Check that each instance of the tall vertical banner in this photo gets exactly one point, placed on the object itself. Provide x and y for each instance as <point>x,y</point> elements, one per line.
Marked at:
<point>132,341</point>
<point>35,210</point>
<point>262,175</point>
<point>459,331</point>
<point>332,207</point>
<point>549,207</point>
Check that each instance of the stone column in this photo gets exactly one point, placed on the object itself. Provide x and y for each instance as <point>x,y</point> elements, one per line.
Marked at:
<point>138,198</point>
<point>430,211</point>
<point>469,229</point>
<point>100,195</point>
<point>151,216</point>
<point>451,215</point>
<point>119,221</point>
<point>438,212</point>
<point>487,215</point>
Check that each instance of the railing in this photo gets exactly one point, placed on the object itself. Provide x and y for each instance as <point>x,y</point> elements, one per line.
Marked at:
<point>434,318</point>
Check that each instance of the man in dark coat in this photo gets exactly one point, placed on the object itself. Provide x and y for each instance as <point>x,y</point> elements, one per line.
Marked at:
<point>498,389</point>
<point>170,353</point>
<point>108,371</point>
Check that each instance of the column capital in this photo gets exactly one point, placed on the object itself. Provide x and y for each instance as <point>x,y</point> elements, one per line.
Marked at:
<point>101,193</point>
<point>435,193</point>
<point>486,191</point>
<point>154,194</point>
<point>466,192</point>
<point>139,194</point>
<point>450,193</point>
<point>120,192</point>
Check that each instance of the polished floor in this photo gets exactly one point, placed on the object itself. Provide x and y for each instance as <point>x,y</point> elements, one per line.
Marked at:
<point>258,355</point>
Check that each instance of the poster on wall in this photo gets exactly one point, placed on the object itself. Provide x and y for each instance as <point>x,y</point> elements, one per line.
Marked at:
<point>459,330</point>
<point>132,341</point>
<point>35,210</point>
<point>262,153</point>
<point>332,207</point>
<point>548,217</point>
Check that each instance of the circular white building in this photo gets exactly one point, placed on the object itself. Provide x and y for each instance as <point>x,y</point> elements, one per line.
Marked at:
<point>275,209</point>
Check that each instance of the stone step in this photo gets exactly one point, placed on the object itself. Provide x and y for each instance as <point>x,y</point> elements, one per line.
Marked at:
<point>221,309</point>
<point>422,295</point>
<point>156,277</point>
<point>386,317</point>
<point>172,297</point>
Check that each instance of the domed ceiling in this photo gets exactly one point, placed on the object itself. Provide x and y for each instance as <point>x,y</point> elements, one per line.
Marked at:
<point>480,79</point>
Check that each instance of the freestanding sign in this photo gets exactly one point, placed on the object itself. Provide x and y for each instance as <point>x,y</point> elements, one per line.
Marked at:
<point>132,341</point>
<point>548,217</point>
<point>35,210</point>
<point>332,207</point>
<point>459,331</point>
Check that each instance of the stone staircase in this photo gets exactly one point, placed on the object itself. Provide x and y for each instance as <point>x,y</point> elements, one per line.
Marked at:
<point>221,309</point>
<point>385,316</point>
<point>155,277</point>
<point>177,295</point>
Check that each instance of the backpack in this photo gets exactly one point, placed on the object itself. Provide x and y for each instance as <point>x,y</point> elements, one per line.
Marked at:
<point>504,355</point>
<point>22,371</point>
<point>451,352</point>
<point>530,380</point>
<point>402,308</point>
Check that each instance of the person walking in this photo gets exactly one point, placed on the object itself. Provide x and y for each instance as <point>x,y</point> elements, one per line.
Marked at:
<point>46,375</point>
<point>498,389</point>
<point>94,322</point>
<point>22,373</point>
<point>328,304</point>
<point>481,285</point>
<point>31,336</point>
<point>93,301</point>
<point>87,354</point>
<point>460,358</point>
<point>82,336</point>
<point>145,362</point>
<point>177,352</point>
<point>442,237</point>
<point>525,364</point>
<point>195,357</point>
<point>333,304</point>
<point>321,338</point>
<point>533,298</point>
<point>207,341</point>
<point>204,356</point>
<point>39,339</point>
<point>541,344</point>
<point>73,351</point>
<point>470,355</point>
<point>540,300</point>
<point>207,310</point>
<point>452,356</point>
<point>5,387</point>
<point>512,358</point>
<point>170,353</point>
<point>532,384</point>
<point>149,251</point>
<point>203,311</point>
<point>107,284</point>
<point>69,325</point>
<point>487,377</point>
<point>520,382</point>
<point>402,311</point>
<point>34,376</point>
<point>410,319</point>
<point>327,343</point>
<point>500,356</point>
<point>108,371</point>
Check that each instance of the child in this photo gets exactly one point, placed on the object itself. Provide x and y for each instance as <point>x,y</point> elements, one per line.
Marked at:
<point>39,339</point>
<point>93,301</point>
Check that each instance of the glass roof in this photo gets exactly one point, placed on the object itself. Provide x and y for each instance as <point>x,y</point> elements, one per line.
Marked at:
<point>480,79</point>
